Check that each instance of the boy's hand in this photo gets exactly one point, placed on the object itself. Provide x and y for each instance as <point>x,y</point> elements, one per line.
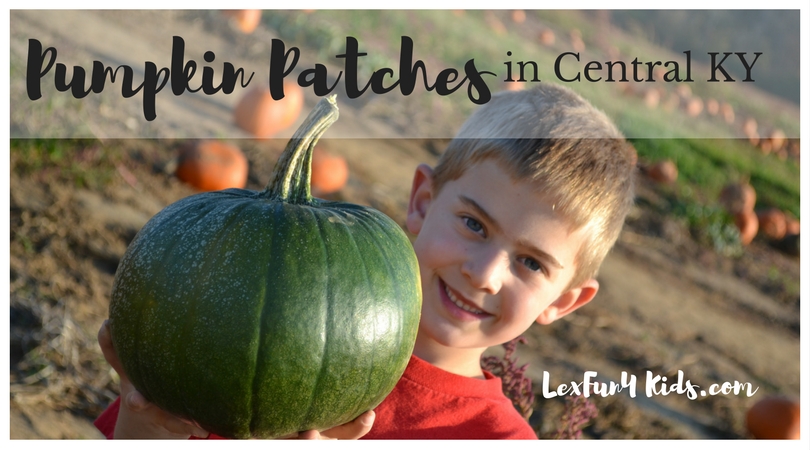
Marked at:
<point>140,419</point>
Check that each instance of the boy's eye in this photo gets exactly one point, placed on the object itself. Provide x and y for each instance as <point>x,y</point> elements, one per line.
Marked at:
<point>532,265</point>
<point>473,224</point>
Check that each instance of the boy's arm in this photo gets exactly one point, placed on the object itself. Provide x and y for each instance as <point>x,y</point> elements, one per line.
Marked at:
<point>139,419</point>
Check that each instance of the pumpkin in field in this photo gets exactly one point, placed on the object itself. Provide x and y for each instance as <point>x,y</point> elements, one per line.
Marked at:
<point>772,223</point>
<point>664,171</point>
<point>712,107</point>
<point>778,139</point>
<point>245,19</point>
<point>738,197</point>
<point>212,166</point>
<point>260,314</point>
<point>774,417</point>
<point>262,116</point>
<point>694,106</point>
<point>748,224</point>
<point>329,172</point>
<point>652,98</point>
<point>514,85</point>
<point>727,111</point>
<point>792,224</point>
<point>547,37</point>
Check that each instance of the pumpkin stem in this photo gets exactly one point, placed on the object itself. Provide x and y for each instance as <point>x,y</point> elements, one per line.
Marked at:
<point>291,176</point>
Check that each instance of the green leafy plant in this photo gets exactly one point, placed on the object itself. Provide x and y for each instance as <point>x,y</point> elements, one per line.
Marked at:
<point>81,162</point>
<point>711,225</point>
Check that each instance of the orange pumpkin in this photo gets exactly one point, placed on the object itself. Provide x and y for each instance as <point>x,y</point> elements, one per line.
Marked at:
<point>684,91</point>
<point>738,197</point>
<point>329,172</point>
<point>774,417</point>
<point>727,111</point>
<point>794,147</point>
<point>513,85</point>
<point>547,37</point>
<point>748,224</point>
<point>212,166</point>
<point>694,106</point>
<point>778,139</point>
<point>712,107</point>
<point>793,225</point>
<point>652,98</point>
<point>772,223</point>
<point>245,19</point>
<point>577,44</point>
<point>765,146</point>
<point>664,171</point>
<point>750,131</point>
<point>260,115</point>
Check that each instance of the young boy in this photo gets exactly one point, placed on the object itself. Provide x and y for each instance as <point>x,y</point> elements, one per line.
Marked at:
<point>511,227</point>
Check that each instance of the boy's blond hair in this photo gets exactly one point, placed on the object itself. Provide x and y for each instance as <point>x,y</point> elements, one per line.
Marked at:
<point>571,151</point>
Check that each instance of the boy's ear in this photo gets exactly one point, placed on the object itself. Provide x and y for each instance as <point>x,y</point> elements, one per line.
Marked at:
<point>569,301</point>
<point>421,195</point>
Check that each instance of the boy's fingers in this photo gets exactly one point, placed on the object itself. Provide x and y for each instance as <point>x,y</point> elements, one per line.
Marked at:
<point>194,429</point>
<point>310,434</point>
<point>135,401</point>
<point>355,429</point>
<point>199,433</point>
<point>179,426</point>
<point>105,342</point>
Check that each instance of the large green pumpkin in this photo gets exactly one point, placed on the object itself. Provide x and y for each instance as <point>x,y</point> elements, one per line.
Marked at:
<point>260,314</point>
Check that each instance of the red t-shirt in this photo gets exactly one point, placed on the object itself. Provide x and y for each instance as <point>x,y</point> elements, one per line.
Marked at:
<point>427,403</point>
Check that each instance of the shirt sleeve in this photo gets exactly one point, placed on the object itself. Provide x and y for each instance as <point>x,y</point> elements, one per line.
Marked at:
<point>106,421</point>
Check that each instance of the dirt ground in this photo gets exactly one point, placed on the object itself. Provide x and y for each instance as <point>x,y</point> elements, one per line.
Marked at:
<point>666,304</point>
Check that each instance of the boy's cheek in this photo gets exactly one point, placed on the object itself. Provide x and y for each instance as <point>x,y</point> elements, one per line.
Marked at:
<point>434,253</point>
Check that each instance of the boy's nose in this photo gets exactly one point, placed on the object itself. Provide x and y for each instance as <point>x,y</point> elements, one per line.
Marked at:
<point>484,270</point>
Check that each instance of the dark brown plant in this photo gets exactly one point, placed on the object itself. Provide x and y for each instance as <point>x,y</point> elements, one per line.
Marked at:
<point>516,385</point>
<point>578,412</point>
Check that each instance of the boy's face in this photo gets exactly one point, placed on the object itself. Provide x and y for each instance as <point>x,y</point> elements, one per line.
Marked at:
<point>494,258</point>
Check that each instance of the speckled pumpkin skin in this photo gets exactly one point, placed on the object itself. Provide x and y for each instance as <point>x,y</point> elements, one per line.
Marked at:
<point>257,317</point>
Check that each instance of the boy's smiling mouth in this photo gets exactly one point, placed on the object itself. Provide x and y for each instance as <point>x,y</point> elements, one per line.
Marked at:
<point>462,303</point>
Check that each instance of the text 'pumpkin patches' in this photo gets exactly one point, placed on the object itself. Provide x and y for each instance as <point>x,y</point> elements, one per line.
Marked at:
<point>260,314</point>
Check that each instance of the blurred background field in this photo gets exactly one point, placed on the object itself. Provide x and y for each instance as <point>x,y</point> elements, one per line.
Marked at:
<point>680,292</point>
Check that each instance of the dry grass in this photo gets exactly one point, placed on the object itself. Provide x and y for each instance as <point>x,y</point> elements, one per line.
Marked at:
<point>61,365</point>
